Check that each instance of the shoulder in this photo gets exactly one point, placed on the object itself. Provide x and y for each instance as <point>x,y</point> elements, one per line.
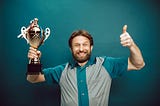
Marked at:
<point>104,59</point>
<point>108,59</point>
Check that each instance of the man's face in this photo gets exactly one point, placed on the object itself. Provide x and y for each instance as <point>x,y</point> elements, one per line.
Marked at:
<point>81,49</point>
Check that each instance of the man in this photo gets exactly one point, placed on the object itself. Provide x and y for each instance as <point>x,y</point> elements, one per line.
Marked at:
<point>87,81</point>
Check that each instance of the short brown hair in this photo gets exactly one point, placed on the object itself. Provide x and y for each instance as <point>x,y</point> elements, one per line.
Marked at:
<point>80,33</point>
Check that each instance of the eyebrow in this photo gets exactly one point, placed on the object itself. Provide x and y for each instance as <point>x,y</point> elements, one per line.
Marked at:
<point>83,43</point>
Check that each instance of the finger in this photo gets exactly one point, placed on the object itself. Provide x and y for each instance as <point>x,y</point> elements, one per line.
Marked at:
<point>127,42</point>
<point>124,43</point>
<point>31,48</point>
<point>39,53</point>
<point>31,55</point>
<point>125,37</point>
<point>32,51</point>
<point>124,29</point>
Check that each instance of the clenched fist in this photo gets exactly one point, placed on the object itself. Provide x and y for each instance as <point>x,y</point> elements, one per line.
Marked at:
<point>33,53</point>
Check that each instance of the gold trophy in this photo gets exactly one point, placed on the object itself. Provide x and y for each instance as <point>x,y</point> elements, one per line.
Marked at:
<point>35,36</point>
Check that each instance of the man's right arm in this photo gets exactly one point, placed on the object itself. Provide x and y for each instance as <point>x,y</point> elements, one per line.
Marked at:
<point>34,53</point>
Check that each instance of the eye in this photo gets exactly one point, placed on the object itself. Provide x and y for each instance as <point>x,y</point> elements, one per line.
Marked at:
<point>76,45</point>
<point>85,44</point>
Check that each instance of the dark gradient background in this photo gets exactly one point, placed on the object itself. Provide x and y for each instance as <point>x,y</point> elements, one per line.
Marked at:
<point>104,19</point>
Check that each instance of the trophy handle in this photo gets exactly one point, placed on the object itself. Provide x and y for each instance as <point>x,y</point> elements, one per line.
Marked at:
<point>23,33</point>
<point>46,33</point>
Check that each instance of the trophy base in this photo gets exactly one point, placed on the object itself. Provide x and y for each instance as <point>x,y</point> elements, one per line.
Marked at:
<point>34,69</point>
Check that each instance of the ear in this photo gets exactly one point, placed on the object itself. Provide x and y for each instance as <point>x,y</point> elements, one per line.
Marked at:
<point>91,47</point>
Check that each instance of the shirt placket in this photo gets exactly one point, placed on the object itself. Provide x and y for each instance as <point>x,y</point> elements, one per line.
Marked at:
<point>82,87</point>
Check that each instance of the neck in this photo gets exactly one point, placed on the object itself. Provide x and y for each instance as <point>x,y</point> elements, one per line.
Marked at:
<point>82,64</point>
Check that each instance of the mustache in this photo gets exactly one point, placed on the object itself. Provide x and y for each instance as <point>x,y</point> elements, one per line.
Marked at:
<point>82,52</point>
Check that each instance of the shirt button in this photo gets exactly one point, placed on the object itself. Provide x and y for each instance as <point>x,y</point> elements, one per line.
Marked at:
<point>81,81</point>
<point>82,94</point>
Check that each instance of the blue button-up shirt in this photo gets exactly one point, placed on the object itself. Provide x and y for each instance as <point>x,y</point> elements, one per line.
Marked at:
<point>88,85</point>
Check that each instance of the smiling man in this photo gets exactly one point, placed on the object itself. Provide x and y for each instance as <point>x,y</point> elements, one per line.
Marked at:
<point>87,80</point>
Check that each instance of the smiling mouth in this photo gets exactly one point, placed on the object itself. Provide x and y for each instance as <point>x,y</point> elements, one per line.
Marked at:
<point>82,54</point>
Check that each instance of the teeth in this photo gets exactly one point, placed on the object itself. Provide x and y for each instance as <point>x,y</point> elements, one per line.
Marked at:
<point>81,54</point>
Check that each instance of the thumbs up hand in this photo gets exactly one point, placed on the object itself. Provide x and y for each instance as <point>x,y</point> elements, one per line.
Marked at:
<point>125,38</point>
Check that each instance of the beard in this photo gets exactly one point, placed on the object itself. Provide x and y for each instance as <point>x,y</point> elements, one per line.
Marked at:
<point>81,59</point>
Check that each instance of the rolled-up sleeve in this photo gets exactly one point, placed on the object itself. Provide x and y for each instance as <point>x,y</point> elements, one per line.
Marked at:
<point>52,75</point>
<point>115,66</point>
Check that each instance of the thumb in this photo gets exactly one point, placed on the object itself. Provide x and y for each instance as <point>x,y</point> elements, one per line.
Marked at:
<point>124,30</point>
<point>38,52</point>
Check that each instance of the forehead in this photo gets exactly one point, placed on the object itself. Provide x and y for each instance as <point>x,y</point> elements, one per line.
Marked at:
<point>80,39</point>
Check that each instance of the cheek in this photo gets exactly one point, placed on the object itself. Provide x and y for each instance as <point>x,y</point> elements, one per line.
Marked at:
<point>74,50</point>
<point>88,48</point>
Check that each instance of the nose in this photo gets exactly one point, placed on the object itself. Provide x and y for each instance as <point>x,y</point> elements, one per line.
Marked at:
<point>81,48</point>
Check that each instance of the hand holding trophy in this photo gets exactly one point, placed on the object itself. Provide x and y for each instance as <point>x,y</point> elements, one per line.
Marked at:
<point>35,36</point>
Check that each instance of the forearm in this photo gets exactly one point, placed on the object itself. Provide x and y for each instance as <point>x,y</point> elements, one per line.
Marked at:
<point>135,57</point>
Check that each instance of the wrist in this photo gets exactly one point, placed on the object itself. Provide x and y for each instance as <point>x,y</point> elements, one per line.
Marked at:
<point>132,45</point>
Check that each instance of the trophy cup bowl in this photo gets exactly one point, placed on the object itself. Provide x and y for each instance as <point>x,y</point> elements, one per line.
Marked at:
<point>34,36</point>
<point>35,40</point>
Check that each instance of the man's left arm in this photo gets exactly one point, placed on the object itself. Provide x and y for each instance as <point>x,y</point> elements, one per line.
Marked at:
<point>135,60</point>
